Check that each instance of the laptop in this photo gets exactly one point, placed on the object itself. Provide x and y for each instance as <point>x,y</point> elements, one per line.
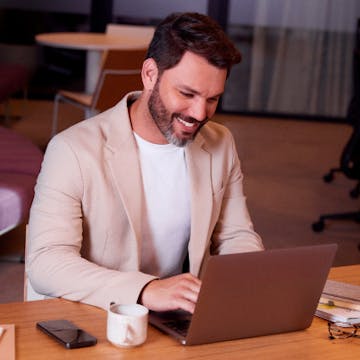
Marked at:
<point>252,294</point>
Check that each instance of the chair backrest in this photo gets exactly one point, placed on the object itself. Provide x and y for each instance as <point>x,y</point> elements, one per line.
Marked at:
<point>137,31</point>
<point>120,74</point>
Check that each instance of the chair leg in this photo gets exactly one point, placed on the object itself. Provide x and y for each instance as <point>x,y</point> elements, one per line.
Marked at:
<point>319,225</point>
<point>354,193</point>
<point>55,114</point>
<point>7,112</point>
<point>329,177</point>
<point>25,100</point>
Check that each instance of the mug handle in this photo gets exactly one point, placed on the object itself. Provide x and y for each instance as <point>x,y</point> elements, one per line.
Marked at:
<point>125,327</point>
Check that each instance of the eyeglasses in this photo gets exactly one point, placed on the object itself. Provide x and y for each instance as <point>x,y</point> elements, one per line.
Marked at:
<point>342,330</point>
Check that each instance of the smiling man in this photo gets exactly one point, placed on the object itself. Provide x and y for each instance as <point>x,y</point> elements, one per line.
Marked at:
<point>130,203</point>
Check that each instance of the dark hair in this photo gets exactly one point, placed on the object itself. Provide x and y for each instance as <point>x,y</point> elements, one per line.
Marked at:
<point>194,32</point>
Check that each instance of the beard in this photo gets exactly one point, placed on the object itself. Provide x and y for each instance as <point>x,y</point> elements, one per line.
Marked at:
<point>164,120</point>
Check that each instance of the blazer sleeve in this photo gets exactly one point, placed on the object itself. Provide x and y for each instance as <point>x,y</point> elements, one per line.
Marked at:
<point>234,230</point>
<point>54,263</point>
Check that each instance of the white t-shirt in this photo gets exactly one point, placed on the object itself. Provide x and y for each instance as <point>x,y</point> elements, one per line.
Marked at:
<point>166,217</point>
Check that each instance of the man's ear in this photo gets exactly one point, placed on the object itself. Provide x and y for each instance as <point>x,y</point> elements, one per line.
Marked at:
<point>149,73</point>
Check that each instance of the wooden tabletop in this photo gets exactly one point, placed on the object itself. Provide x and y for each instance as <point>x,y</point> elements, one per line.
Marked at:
<point>312,343</point>
<point>91,41</point>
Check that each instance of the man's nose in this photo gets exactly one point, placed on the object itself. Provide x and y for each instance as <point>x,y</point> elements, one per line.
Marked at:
<point>199,110</point>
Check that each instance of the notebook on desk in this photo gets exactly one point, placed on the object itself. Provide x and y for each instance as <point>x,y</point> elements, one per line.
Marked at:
<point>253,294</point>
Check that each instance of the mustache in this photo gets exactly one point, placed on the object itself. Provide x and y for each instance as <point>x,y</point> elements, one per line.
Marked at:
<point>190,119</point>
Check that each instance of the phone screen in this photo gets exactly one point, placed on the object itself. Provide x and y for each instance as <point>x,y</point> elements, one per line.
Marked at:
<point>67,333</point>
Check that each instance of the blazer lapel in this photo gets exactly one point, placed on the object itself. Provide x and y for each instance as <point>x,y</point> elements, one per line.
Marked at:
<point>124,165</point>
<point>199,166</point>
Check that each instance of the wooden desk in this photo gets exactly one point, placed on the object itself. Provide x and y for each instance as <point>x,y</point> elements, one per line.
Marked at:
<point>94,44</point>
<point>312,343</point>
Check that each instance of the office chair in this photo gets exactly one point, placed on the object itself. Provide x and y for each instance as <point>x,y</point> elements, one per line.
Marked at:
<point>120,74</point>
<point>350,157</point>
<point>350,166</point>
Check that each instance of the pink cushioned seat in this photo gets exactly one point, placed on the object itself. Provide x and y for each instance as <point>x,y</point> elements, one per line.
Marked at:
<point>20,162</point>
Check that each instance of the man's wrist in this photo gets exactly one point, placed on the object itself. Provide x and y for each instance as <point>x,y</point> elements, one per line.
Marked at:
<point>140,297</point>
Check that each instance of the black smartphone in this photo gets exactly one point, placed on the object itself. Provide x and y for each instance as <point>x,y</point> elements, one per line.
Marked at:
<point>67,333</point>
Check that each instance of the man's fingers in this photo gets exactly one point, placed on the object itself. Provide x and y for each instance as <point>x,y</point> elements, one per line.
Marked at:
<point>186,297</point>
<point>186,305</point>
<point>177,292</point>
<point>190,293</point>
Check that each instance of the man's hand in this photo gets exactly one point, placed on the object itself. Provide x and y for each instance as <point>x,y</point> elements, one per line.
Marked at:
<point>177,292</point>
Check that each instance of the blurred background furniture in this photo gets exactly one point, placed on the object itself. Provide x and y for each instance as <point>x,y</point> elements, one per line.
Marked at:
<point>20,162</point>
<point>13,79</point>
<point>94,44</point>
<point>120,74</point>
<point>143,33</point>
<point>350,157</point>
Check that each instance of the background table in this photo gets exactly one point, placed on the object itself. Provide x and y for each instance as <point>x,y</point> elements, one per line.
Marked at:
<point>94,44</point>
<point>312,343</point>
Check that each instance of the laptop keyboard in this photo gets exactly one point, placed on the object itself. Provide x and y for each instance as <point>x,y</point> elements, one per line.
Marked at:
<point>180,326</point>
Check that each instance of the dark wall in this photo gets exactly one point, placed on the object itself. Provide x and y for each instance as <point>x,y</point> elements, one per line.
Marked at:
<point>21,26</point>
<point>51,68</point>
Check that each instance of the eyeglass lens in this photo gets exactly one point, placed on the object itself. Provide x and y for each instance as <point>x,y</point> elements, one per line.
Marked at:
<point>341,331</point>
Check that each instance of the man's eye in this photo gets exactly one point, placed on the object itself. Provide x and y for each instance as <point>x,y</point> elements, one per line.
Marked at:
<point>187,95</point>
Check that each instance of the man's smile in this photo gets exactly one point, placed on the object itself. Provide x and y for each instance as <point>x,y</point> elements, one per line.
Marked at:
<point>185,123</point>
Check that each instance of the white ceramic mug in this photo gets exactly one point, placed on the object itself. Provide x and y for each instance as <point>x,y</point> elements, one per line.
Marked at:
<point>127,324</point>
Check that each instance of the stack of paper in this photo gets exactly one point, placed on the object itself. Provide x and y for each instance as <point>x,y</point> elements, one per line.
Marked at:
<point>340,302</point>
<point>337,314</point>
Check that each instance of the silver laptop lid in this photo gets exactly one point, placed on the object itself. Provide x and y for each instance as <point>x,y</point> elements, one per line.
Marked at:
<point>259,293</point>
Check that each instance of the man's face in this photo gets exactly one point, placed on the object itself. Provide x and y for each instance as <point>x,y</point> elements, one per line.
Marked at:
<point>185,97</point>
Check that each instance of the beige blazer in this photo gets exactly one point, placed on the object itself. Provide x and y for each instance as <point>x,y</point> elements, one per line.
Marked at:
<point>84,240</point>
